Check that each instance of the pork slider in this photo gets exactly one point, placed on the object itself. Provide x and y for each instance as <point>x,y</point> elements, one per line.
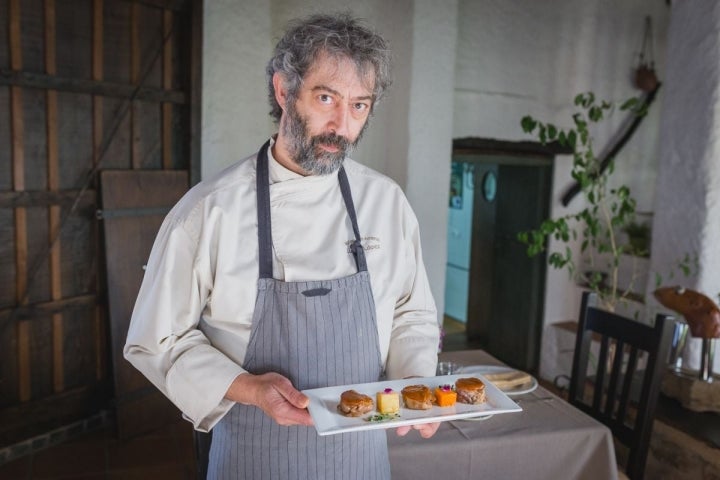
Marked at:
<point>354,404</point>
<point>417,397</point>
<point>470,390</point>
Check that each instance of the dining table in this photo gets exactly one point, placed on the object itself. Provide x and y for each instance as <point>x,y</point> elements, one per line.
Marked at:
<point>548,439</point>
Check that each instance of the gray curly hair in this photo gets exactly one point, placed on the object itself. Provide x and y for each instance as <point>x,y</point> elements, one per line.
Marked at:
<point>338,35</point>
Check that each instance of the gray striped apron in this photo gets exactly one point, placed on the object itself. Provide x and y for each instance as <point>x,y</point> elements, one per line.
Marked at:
<point>317,334</point>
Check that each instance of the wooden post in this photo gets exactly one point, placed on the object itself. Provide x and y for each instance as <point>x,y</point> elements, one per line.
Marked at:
<point>98,34</point>
<point>135,154</point>
<point>53,184</point>
<point>21,241</point>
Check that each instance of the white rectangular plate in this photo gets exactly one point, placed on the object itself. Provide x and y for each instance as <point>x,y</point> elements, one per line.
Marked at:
<point>328,421</point>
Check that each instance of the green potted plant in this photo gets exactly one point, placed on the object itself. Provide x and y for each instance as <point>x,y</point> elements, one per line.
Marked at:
<point>608,210</point>
<point>638,234</point>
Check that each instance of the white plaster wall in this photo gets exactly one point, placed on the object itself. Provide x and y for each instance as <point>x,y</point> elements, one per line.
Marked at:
<point>430,131</point>
<point>687,212</point>
<point>236,47</point>
<point>517,58</point>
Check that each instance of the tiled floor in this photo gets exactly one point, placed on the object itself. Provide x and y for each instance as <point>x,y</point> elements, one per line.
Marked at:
<point>166,454</point>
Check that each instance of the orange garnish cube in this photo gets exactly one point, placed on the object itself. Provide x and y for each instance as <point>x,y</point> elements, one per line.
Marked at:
<point>445,398</point>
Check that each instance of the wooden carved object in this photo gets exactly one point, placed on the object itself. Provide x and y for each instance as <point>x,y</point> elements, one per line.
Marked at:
<point>700,312</point>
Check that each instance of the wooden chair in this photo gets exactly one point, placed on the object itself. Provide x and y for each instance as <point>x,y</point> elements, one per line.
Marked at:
<point>623,344</point>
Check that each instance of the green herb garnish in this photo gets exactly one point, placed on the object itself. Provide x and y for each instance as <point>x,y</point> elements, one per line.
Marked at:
<point>382,417</point>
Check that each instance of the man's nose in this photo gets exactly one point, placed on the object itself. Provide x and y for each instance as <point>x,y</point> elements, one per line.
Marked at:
<point>339,120</point>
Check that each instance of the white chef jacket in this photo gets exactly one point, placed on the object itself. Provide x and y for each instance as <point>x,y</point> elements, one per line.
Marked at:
<point>191,323</point>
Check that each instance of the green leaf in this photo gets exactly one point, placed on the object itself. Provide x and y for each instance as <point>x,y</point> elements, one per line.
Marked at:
<point>572,138</point>
<point>528,124</point>
<point>586,99</point>
<point>562,138</point>
<point>552,131</point>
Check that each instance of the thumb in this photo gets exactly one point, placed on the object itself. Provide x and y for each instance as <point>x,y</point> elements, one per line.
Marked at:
<point>295,397</point>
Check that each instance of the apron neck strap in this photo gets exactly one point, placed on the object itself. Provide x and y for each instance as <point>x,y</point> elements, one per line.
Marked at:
<point>263,212</point>
<point>355,247</point>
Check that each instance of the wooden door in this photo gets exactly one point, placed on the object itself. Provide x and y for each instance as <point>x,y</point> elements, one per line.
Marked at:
<point>518,283</point>
<point>134,205</point>
<point>85,85</point>
<point>507,288</point>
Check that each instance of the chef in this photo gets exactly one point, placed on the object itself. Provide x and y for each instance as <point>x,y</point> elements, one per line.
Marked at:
<point>295,268</point>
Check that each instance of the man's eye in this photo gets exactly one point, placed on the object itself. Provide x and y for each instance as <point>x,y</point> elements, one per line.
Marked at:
<point>361,107</point>
<point>327,99</point>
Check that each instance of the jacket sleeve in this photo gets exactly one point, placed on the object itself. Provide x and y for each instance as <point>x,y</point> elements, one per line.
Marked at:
<point>164,342</point>
<point>415,334</point>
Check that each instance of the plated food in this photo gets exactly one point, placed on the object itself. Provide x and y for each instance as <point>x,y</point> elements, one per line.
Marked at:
<point>507,379</point>
<point>468,390</point>
<point>445,396</point>
<point>417,397</point>
<point>389,410</point>
<point>354,404</point>
<point>388,401</point>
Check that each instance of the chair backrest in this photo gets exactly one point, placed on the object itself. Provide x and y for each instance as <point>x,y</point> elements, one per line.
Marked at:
<point>615,377</point>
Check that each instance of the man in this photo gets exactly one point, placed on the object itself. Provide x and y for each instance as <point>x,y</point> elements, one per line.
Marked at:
<point>296,268</point>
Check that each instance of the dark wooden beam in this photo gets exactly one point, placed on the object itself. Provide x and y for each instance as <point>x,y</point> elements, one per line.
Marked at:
<point>44,309</point>
<point>44,198</point>
<point>90,87</point>
<point>486,146</point>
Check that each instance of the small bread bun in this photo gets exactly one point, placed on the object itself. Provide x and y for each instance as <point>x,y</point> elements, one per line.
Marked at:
<point>417,397</point>
<point>354,404</point>
<point>470,390</point>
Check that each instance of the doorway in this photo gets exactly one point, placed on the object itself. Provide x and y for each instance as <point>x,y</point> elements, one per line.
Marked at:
<point>494,291</point>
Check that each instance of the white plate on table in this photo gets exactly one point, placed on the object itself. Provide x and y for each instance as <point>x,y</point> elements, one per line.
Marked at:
<point>522,389</point>
<point>328,421</point>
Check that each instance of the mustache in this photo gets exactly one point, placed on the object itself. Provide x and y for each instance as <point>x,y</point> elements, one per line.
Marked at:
<point>331,139</point>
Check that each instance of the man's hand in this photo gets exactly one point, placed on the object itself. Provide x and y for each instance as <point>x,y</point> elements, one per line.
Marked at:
<point>274,394</point>
<point>426,430</point>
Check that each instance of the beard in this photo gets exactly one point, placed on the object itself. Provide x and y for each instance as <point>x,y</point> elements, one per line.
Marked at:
<point>306,150</point>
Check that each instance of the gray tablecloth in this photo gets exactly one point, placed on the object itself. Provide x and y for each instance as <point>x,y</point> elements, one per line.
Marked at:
<point>549,439</point>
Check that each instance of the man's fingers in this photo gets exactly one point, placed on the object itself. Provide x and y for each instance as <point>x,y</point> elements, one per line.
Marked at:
<point>426,430</point>
<point>294,396</point>
<point>296,417</point>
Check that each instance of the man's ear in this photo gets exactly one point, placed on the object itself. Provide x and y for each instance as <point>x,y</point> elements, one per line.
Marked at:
<point>280,90</point>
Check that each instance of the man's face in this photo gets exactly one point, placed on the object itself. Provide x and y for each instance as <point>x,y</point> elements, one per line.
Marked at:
<point>328,116</point>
